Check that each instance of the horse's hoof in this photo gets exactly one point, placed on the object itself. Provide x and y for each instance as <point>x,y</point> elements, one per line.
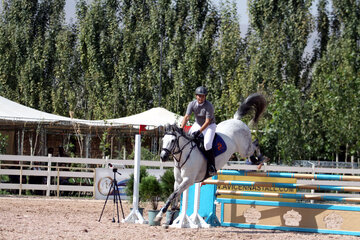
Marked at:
<point>166,226</point>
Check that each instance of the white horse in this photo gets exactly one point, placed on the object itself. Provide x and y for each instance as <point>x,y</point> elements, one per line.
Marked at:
<point>190,164</point>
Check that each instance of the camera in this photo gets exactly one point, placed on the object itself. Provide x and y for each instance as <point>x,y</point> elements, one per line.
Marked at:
<point>114,165</point>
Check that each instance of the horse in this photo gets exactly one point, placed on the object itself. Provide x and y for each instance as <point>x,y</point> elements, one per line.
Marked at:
<point>190,163</point>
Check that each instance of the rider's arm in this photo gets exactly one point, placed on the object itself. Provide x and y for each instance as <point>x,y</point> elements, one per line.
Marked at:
<point>185,120</point>
<point>206,124</point>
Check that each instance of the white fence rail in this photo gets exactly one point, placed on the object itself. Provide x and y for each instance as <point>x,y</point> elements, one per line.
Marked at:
<point>53,171</point>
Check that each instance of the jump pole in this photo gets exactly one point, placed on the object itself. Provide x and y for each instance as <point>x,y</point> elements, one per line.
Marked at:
<point>283,185</point>
<point>290,175</point>
<point>288,195</point>
<point>135,216</point>
<point>289,216</point>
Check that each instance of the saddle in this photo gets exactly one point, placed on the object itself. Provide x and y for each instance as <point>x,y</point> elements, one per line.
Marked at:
<point>218,146</point>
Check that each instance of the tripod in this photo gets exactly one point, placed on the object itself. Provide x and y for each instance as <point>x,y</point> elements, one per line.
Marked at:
<point>117,198</point>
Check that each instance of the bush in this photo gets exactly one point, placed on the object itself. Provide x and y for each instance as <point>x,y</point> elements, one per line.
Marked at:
<point>129,189</point>
<point>167,183</point>
<point>150,190</point>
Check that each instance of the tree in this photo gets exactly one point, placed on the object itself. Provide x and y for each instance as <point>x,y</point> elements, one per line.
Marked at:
<point>284,130</point>
<point>277,42</point>
<point>227,79</point>
<point>336,82</point>
<point>99,41</point>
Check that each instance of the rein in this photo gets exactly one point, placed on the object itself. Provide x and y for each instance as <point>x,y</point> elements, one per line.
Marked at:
<point>180,149</point>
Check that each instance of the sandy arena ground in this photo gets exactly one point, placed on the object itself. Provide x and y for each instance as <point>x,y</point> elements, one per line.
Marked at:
<point>52,218</point>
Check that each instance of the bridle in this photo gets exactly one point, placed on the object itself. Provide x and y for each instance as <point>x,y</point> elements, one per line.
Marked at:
<point>176,145</point>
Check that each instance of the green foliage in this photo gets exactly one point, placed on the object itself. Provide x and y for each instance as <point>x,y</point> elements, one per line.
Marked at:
<point>3,143</point>
<point>277,42</point>
<point>105,144</point>
<point>167,183</point>
<point>146,154</point>
<point>286,115</point>
<point>150,190</point>
<point>129,189</point>
<point>121,58</point>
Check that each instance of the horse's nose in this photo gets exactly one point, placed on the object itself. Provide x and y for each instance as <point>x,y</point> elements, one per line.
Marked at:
<point>164,156</point>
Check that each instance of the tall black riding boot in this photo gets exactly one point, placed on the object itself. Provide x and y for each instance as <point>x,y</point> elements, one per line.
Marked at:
<point>211,162</point>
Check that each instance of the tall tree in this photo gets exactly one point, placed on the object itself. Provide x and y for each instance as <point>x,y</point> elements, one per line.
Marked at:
<point>228,63</point>
<point>337,81</point>
<point>280,30</point>
<point>98,45</point>
<point>68,91</point>
<point>28,45</point>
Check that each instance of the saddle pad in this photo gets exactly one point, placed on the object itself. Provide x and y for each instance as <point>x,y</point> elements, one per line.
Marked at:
<point>219,145</point>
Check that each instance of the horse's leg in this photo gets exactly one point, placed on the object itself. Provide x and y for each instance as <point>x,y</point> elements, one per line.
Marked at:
<point>261,159</point>
<point>174,206</point>
<point>174,202</point>
<point>182,187</point>
<point>171,198</point>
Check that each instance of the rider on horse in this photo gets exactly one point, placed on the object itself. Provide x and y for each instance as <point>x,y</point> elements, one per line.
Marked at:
<point>204,123</point>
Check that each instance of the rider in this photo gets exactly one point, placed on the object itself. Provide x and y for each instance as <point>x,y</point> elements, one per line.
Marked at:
<point>204,123</point>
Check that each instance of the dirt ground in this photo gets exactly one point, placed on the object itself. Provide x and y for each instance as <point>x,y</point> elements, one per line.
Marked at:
<point>53,218</point>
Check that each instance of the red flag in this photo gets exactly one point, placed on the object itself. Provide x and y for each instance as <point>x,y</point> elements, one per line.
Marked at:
<point>142,128</point>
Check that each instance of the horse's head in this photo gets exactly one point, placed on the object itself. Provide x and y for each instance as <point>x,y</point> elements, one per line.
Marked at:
<point>170,141</point>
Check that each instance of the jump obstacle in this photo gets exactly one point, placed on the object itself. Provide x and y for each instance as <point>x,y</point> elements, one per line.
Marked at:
<point>260,214</point>
<point>274,215</point>
<point>135,215</point>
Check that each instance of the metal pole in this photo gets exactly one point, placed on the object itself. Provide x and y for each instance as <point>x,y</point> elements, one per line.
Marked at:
<point>48,179</point>
<point>135,216</point>
<point>313,172</point>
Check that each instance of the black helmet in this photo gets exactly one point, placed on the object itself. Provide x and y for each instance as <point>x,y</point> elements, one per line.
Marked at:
<point>201,91</point>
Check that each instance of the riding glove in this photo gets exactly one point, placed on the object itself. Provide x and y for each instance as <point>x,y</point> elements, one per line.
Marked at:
<point>196,134</point>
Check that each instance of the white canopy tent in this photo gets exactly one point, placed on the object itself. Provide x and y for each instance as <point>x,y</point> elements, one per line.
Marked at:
<point>154,117</point>
<point>16,119</point>
<point>15,112</point>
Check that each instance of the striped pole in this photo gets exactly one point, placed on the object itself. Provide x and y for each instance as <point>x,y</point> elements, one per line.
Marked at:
<point>290,175</point>
<point>288,195</point>
<point>283,185</point>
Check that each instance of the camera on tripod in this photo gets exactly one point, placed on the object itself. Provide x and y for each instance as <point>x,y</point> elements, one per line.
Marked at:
<point>114,190</point>
<point>116,166</point>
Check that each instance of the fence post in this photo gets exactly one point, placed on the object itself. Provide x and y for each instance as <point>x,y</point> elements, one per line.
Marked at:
<point>58,182</point>
<point>313,172</point>
<point>48,176</point>
<point>135,216</point>
<point>106,164</point>
<point>20,180</point>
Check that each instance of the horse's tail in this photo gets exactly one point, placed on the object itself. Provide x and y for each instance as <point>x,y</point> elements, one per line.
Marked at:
<point>255,101</point>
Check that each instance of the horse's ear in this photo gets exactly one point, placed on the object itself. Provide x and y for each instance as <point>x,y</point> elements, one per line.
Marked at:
<point>173,127</point>
<point>167,127</point>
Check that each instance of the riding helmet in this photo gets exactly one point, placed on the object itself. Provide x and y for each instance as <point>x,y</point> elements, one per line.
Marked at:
<point>201,91</point>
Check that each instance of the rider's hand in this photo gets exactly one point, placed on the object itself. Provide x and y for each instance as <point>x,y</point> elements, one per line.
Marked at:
<point>196,134</point>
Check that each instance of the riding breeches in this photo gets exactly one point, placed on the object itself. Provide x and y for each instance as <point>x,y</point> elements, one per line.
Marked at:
<point>208,133</point>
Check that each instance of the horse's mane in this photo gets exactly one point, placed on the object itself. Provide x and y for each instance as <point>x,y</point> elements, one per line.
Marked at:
<point>255,101</point>
<point>175,128</point>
